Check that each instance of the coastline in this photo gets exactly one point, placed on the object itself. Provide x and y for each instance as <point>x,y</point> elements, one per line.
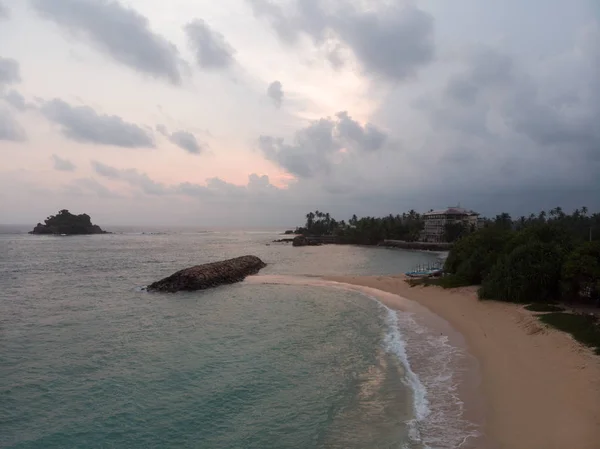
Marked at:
<point>539,388</point>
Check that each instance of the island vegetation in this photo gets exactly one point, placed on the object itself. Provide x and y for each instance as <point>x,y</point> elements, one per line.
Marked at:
<point>66,223</point>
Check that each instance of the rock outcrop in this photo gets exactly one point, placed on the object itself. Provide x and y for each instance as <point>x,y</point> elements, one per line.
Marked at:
<point>209,275</point>
<point>299,240</point>
<point>65,223</point>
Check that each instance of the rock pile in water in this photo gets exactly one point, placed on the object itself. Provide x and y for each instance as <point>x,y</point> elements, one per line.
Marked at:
<point>209,275</point>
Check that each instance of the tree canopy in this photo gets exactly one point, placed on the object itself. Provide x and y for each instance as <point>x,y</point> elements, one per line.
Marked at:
<point>543,257</point>
<point>67,223</point>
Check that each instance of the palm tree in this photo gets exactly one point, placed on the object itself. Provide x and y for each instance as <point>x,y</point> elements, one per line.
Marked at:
<point>310,220</point>
<point>559,212</point>
<point>584,211</point>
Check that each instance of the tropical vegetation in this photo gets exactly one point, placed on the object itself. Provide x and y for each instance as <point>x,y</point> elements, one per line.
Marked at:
<point>366,230</point>
<point>545,258</point>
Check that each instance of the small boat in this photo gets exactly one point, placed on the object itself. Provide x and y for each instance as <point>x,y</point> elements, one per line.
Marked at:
<point>435,269</point>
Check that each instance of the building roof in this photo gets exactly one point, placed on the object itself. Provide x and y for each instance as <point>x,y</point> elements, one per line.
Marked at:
<point>452,211</point>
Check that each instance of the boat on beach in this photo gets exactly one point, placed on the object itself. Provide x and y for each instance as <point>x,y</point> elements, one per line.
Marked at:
<point>426,270</point>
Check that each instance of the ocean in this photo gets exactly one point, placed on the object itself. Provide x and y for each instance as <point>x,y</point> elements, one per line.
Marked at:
<point>283,360</point>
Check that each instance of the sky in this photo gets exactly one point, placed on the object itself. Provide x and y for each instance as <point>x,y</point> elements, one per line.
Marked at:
<point>253,112</point>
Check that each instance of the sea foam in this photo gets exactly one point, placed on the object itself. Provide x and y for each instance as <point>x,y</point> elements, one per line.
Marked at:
<point>431,365</point>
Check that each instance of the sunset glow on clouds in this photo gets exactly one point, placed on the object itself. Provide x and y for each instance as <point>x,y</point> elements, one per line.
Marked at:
<point>251,112</point>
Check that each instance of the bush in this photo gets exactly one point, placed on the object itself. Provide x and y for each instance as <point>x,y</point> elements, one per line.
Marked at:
<point>472,257</point>
<point>584,328</point>
<point>531,272</point>
<point>544,308</point>
<point>581,272</point>
<point>449,281</point>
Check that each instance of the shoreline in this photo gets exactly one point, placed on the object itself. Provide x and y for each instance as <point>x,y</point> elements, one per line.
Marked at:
<point>539,388</point>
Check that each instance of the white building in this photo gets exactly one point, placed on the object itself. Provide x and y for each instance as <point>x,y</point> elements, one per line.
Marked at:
<point>436,221</point>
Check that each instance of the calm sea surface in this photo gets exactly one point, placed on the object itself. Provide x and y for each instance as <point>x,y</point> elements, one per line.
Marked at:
<point>88,360</point>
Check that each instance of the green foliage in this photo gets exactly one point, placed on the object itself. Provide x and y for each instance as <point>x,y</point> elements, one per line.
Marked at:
<point>581,272</point>
<point>530,272</point>
<point>454,231</point>
<point>448,281</point>
<point>551,232</point>
<point>584,328</point>
<point>544,308</point>
<point>364,231</point>
<point>473,256</point>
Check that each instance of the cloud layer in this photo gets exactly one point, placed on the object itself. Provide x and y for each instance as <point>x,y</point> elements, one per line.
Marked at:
<point>16,100</point>
<point>4,11</point>
<point>9,71</point>
<point>9,127</point>
<point>118,31</point>
<point>389,40</point>
<point>210,48</point>
<point>215,188</point>
<point>83,124</point>
<point>183,139</point>
<point>275,93</point>
<point>315,147</point>
<point>61,164</point>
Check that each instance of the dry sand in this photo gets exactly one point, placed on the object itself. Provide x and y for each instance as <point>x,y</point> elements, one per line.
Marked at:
<point>540,388</point>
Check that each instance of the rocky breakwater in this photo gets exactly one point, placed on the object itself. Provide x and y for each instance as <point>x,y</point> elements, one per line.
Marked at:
<point>209,275</point>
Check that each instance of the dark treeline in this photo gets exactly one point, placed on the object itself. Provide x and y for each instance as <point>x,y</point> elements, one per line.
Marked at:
<point>366,230</point>
<point>543,258</point>
<point>546,257</point>
<point>408,226</point>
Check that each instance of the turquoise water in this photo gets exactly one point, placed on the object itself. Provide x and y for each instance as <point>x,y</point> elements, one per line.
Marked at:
<point>90,361</point>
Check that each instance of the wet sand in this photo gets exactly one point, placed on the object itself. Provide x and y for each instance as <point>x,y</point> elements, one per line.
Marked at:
<point>539,388</point>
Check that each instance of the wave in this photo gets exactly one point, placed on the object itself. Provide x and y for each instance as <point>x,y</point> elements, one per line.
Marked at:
<point>431,364</point>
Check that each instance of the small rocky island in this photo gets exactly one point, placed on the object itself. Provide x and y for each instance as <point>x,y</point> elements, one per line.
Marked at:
<point>65,223</point>
<point>201,277</point>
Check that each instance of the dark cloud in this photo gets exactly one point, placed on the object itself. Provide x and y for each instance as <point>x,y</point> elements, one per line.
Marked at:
<point>4,11</point>
<point>9,71</point>
<point>274,14</point>
<point>393,44</point>
<point>183,139</point>
<point>314,147</point>
<point>488,69</point>
<point>61,164</point>
<point>84,124</point>
<point>504,129</point>
<point>391,41</point>
<point>275,92</point>
<point>209,46</point>
<point>360,138</point>
<point>187,141</point>
<point>118,31</point>
<point>9,128</point>
<point>16,100</point>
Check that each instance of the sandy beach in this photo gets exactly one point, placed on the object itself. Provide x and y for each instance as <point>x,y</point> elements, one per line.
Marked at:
<point>540,389</point>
